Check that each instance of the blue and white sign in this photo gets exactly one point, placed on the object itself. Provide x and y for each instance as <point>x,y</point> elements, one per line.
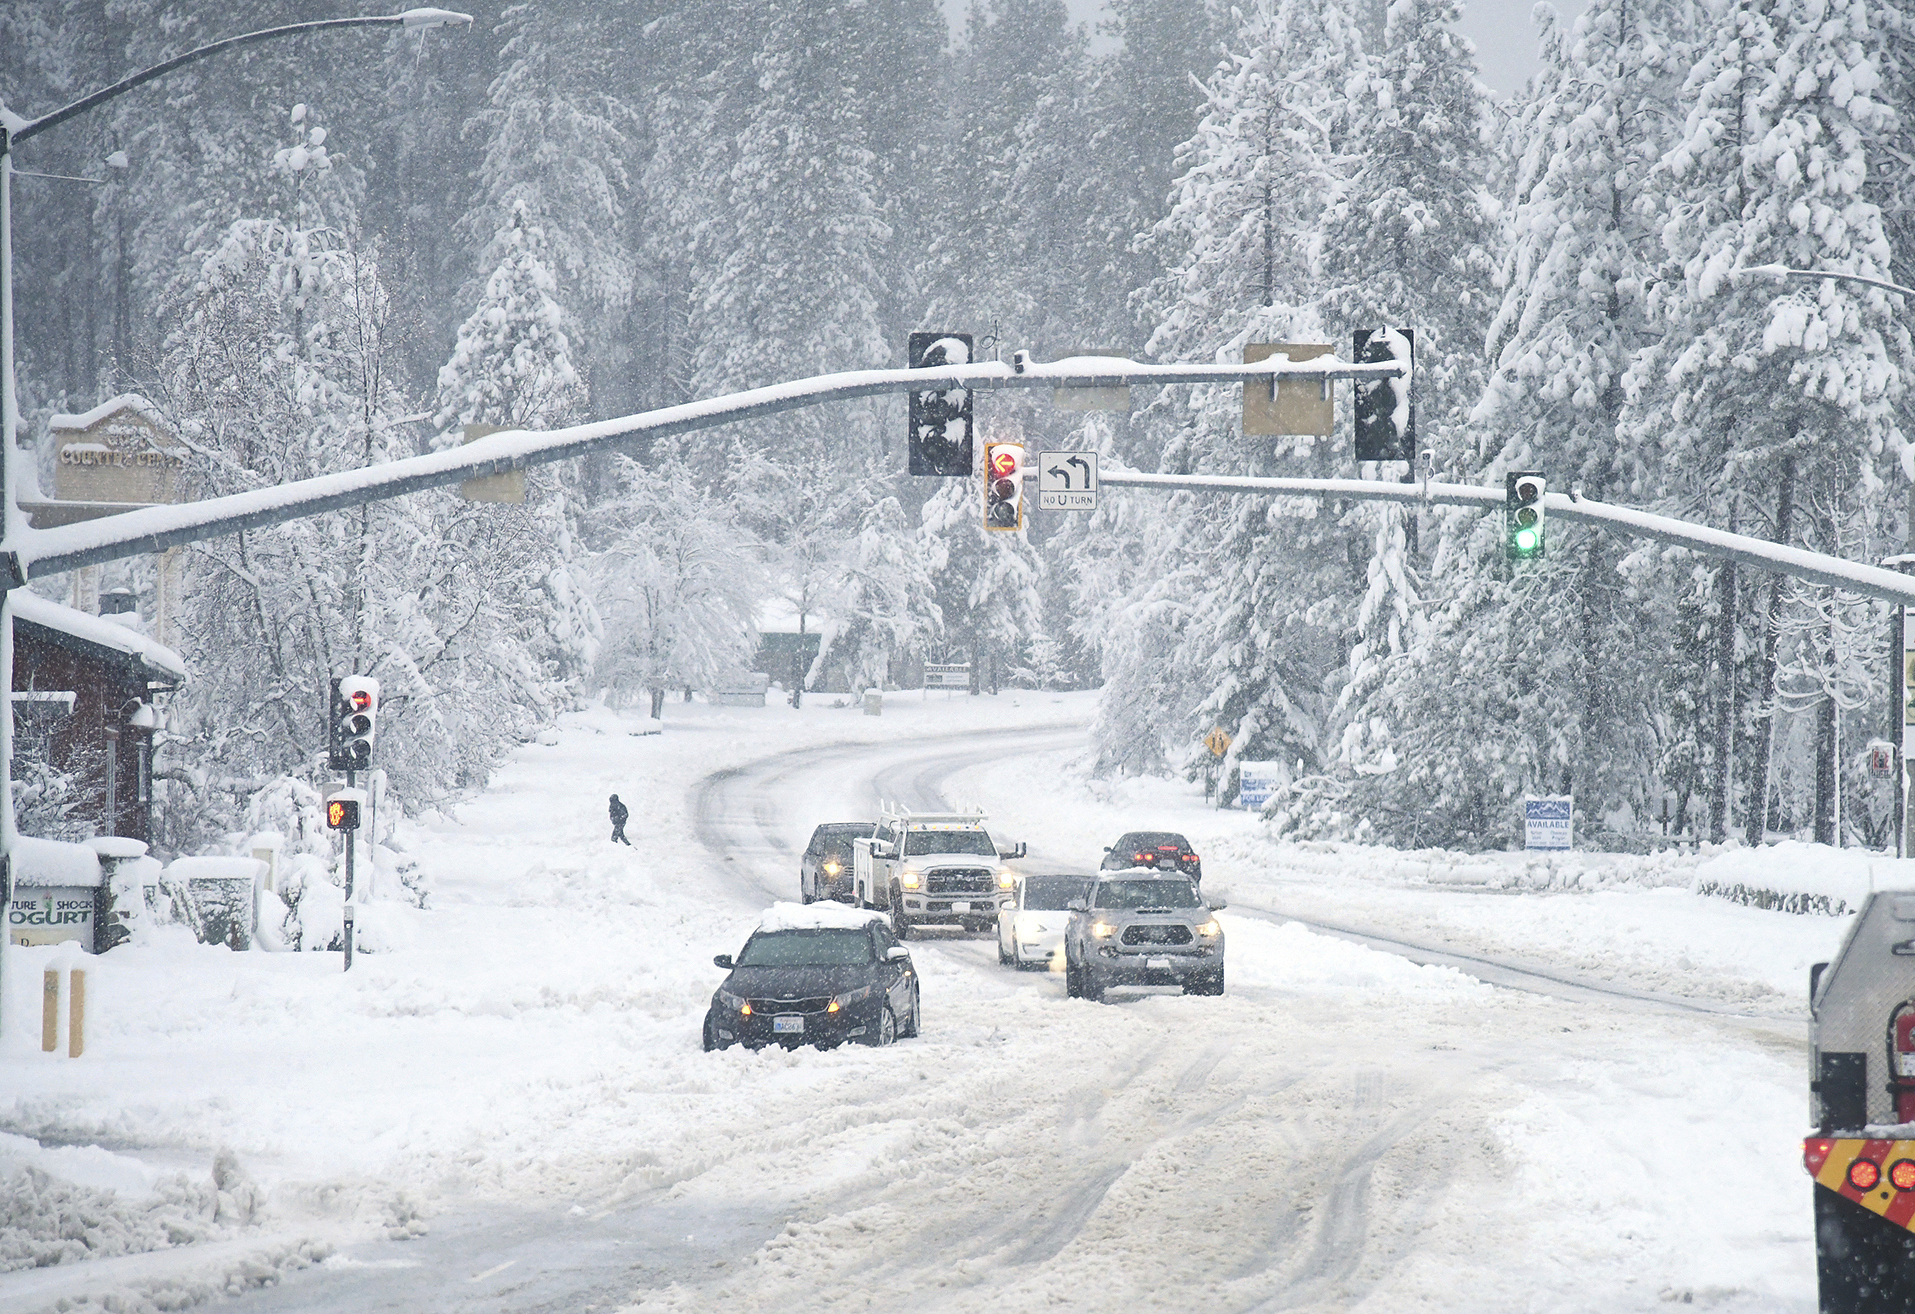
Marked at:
<point>1256,781</point>
<point>1547,821</point>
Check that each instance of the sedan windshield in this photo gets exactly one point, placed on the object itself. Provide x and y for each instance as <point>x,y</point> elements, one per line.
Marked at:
<point>827,948</point>
<point>1053,893</point>
<point>1146,894</point>
<point>917,842</point>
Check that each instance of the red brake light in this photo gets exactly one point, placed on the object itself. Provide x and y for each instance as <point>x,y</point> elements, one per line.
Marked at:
<point>1190,857</point>
<point>1815,1153</point>
<point>1864,1174</point>
<point>1141,857</point>
<point>1901,1174</point>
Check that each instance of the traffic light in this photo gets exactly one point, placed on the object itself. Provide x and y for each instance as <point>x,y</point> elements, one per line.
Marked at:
<point>354,722</point>
<point>1523,515</point>
<point>1003,485</point>
<point>940,437</point>
<point>342,814</point>
<point>1385,414</point>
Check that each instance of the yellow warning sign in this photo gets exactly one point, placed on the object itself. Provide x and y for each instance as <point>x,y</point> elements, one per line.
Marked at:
<point>1217,741</point>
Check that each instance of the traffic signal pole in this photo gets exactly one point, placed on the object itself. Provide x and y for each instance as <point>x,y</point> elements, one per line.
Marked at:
<point>351,782</point>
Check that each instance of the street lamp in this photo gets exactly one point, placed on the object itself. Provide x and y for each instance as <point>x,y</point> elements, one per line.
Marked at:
<point>1780,272</point>
<point>13,130</point>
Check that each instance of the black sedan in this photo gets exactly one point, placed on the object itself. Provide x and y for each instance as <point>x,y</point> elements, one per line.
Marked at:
<point>1165,850</point>
<point>815,981</point>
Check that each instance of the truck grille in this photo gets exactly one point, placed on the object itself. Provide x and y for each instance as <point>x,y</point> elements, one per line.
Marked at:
<point>768,1007</point>
<point>1176,934</point>
<point>961,880</point>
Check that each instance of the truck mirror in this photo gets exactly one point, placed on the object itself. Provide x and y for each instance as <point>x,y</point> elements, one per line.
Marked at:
<point>1815,979</point>
<point>1020,850</point>
<point>723,960</point>
<point>1078,905</point>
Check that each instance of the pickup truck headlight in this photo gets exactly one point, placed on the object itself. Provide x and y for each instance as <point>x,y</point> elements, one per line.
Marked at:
<point>1210,928</point>
<point>1102,930</point>
<point>1006,878</point>
<point>832,868</point>
<point>910,878</point>
<point>734,1002</point>
<point>848,998</point>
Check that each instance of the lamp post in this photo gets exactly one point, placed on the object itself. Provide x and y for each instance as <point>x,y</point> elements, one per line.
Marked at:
<point>13,131</point>
<point>1901,641</point>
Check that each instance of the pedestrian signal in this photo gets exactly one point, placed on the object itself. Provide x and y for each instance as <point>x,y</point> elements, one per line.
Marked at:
<point>342,814</point>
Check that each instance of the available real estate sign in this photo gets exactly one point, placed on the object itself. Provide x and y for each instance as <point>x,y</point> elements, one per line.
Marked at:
<point>1548,820</point>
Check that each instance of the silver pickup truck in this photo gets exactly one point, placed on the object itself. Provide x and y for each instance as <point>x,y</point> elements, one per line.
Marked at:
<point>932,869</point>
<point>1147,929</point>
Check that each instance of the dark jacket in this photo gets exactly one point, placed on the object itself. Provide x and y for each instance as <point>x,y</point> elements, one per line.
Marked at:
<point>619,812</point>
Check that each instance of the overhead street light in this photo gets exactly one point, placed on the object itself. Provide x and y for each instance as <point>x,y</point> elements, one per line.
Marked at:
<point>15,129</point>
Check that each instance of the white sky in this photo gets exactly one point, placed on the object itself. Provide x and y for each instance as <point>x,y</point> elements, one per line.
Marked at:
<point>1504,35</point>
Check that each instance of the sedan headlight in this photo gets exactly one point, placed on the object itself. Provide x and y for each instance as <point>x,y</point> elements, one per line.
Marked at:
<point>1210,928</point>
<point>1006,878</point>
<point>734,1002</point>
<point>848,998</point>
<point>910,878</point>
<point>1102,930</point>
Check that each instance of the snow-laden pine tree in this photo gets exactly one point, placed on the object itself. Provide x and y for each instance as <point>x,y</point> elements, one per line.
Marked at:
<point>512,366</point>
<point>278,366</point>
<point>1579,251</point>
<point>882,602</point>
<point>1768,405</point>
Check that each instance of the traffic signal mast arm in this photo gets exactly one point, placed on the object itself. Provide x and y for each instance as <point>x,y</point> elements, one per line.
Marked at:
<point>1815,567</point>
<point>154,529</point>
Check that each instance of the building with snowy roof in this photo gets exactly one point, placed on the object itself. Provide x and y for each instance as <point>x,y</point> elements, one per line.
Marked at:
<point>84,689</point>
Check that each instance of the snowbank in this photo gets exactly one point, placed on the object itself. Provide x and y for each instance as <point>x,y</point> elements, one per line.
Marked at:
<point>1802,878</point>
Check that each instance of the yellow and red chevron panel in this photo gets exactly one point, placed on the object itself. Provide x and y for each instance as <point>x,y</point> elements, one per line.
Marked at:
<point>1878,1175</point>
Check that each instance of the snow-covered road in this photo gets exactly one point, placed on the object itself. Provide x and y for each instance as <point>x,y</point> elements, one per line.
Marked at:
<point>1344,1129</point>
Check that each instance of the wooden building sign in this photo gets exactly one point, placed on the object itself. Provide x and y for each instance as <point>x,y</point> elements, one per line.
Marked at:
<point>116,452</point>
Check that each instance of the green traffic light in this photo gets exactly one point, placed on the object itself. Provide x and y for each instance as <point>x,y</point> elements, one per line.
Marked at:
<point>1526,540</point>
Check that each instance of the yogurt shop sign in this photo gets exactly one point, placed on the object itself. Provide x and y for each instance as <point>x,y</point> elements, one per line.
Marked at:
<point>117,452</point>
<point>50,915</point>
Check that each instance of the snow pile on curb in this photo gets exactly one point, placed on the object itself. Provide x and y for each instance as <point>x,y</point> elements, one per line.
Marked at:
<point>125,1210</point>
<point>1801,878</point>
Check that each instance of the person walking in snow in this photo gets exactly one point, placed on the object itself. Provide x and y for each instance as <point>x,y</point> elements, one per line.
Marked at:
<point>619,815</point>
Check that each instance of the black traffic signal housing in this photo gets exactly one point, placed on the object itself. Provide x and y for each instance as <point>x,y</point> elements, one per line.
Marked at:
<point>1523,512</point>
<point>940,437</point>
<point>1385,412</point>
<point>1003,486</point>
<point>353,723</point>
<point>342,814</point>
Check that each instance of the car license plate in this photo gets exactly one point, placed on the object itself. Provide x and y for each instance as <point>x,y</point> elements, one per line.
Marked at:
<point>1167,864</point>
<point>1157,964</point>
<point>789,1025</point>
<point>960,907</point>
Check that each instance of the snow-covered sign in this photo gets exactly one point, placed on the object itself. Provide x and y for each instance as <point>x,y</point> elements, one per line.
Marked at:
<point>1256,781</point>
<point>953,676</point>
<point>1547,821</point>
<point>1067,481</point>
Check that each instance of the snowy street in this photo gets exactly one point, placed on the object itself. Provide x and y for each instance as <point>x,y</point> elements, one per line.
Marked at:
<point>510,1111</point>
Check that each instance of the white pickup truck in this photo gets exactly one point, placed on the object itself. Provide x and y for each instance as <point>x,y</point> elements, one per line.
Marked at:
<point>932,869</point>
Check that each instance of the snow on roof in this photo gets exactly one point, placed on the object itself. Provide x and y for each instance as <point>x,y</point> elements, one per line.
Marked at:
<point>126,401</point>
<point>817,917</point>
<point>779,615</point>
<point>44,862</point>
<point>96,630</point>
